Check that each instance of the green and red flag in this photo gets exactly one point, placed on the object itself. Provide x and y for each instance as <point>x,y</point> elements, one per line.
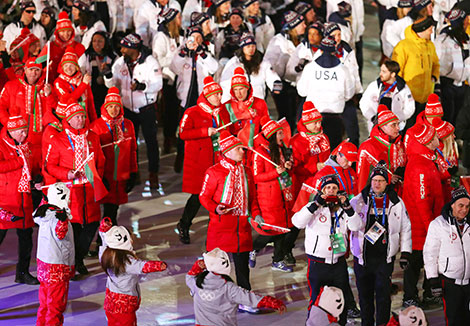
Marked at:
<point>95,180</point>
<point>247,134</point>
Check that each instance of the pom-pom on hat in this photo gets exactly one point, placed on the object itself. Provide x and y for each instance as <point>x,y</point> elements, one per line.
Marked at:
<point>73,109</point>
<point>16,123</point>
<point>217,261</point>
<point>433,107</point>
<point>425,134</point>
<point>211,87</point>
<point>113,97</point>
<point>247,38</point>
<point>443,128</point>
<point>269,127</point>
<point>349,150</point>
<point>292,19</point>
<point>118,237</point>
<point>385,116</point>
<point>63,22</point>
<point>239,78</point>
<point>310,114</point>
<point>227,142</point>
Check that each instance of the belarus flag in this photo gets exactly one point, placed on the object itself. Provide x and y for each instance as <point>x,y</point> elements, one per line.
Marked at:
<point>95,180</point>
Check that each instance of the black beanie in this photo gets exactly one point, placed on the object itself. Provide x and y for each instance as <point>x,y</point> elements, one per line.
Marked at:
<point>423,25</point>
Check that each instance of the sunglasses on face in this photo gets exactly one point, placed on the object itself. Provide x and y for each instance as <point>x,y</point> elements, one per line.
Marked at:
<point>30,11</point>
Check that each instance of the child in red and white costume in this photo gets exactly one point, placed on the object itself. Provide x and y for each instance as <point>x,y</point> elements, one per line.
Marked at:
<point>55,255</point>
<point>123,268</point>
<point>327,308</point>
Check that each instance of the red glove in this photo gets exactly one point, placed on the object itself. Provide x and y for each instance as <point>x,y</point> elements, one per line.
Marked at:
<point>105,225</point>
<point>5,216</point>
<point>273,303</point>
<point>154,266</point>
<point>197,268</point>
<point>61,229</point>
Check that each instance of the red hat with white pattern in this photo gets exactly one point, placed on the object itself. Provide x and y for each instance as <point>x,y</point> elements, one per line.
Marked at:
<point>310,114</point>
<point>425,134</point>
<point>211,87</point>
<point>64,22</point>
<point>73,109</point>
<point>269,127</point>
<point>69,57</point>
<point>433,107</point>
<point>443,128</point>
<point>227,142</point>
<point>16,123</point>
<point>239,78</point>
<point>62,104</point>
<point>113,97</point>
<point>385,115</point>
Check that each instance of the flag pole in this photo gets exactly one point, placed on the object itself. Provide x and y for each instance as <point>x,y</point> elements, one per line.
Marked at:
<point>47,64</point>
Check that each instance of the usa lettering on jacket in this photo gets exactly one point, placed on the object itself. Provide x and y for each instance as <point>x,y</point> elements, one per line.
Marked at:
<point>325,75</point>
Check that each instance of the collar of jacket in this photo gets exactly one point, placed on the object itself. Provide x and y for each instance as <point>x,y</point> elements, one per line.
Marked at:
<point>400,83</point>
<point>447,215</point>
<point>389,191</point>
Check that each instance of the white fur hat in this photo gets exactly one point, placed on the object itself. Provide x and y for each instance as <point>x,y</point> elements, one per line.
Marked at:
<point>412,316</point>
<point>58,194</point>
<point>331,300</point>
<point>217,261</point>
<point>118,238</point>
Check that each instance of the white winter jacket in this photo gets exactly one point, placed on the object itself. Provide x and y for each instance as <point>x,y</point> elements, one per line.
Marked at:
<point>147,71</point>
<point>278,52</point>
<point>445,252</point>
<point>302,51</point>
<point>263,33</point>
<point>393,31</point>
<point>265,76</point>
<point>357,14</point>
<point>85,36</point>
<point>318,227</point>
<point>189,7</point>
<point>451,59</point>
<point>146,18</point>
<point>13,30</point>
<point>440,9</point>
<point>121,13</point>
<point>398,229</point>
<point>403,104</point>
<point>328,88</point>
<point>388,3</point>
<point>164,49</point>
<point>350,61</point>
<point>182,67</point>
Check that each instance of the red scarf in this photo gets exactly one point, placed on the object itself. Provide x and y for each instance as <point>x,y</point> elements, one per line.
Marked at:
<point>23,151</point>
<point>243,109</point>
<point>317,143</point>
<point>235,192</point>
<point>396,152</point>
<point>80,152</point>
<point>75,80</point>
<point>116,127</point>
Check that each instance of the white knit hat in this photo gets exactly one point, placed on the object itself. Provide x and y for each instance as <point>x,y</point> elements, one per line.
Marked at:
<point>118,238</point>
<point>58,194</point>
<point>217,261</point>
<point>412,316</point>
<point>331,300</point>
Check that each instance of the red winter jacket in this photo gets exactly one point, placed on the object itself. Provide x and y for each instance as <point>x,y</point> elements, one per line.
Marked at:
<point>228,232</point>
<point>79,93</point>
<point>198,151</point>
<point>306,159</point>
<point>251,109</point>
<point>379,148</point>
<point>275,209</point>
<point>422,193</point>
<point>13,201</point>
<point>127,158</point>
<point>57,51</point>
<point>60,160</point>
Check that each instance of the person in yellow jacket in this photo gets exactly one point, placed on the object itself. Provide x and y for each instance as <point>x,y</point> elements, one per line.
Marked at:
<point>418,61</point>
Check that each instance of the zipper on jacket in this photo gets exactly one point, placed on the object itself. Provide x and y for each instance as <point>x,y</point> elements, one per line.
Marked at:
<point>447,264</point>
<point>84,204</point>
<point>238,234</point>
<point>315,247</point>
<point>463,254</point>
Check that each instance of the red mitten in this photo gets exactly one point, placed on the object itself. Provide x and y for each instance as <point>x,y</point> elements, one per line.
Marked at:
<point>61,229</point>
<point>271,302</point>
<point>105,224</point>
<point>197,268</point>
<point>5,216</point>
<point>154,266</point>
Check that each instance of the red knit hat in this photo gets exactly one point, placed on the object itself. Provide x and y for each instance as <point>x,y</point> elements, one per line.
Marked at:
<point>31,63</point>
<point>433,107</point>
<point>64,22</point>
<point>211,87</point>
<point>425,133</point>
<point>73,109</point>
<point>269,127</point>
<point>239,78</point>
<point>385,115</point>
<point>227,142</point>
<point>61,109</point>
<point>70,56</point>
<point>16,123</point>
<point>113,97</point>
<point>347,149</point>
<point>443,128</point>
<point>310,114</point>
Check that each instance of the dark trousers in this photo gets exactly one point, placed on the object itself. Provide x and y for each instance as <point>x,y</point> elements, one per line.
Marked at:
<point>419,107</point>
<point>359,57</point>
<point>110,210</point>
<point>147,119</point>
<point>190,210</point>
<point>452,99</point>
<point>82,238</point>
<point>333,127</point>
<point>351,124</point>
<point>290,238</point>
<point>242,270</point>
<point>286,103</point>
<point>170,111</point>
<point>456,303</point>
<point>374,279</point>
<point>279,249</point>
<point>321,274</point>
<point>411,277</point>
<point>25,246</point>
